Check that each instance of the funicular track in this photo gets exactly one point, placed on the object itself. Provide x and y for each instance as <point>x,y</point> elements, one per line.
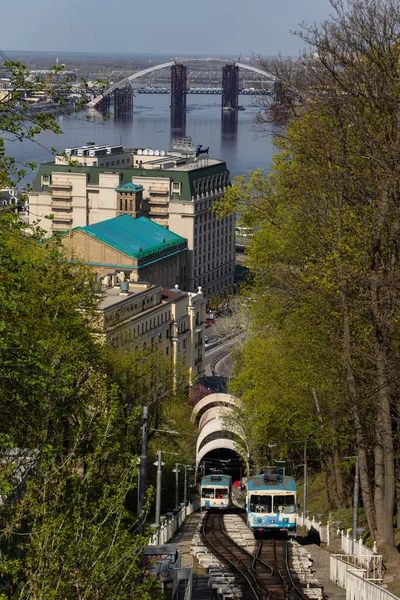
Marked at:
<point>262,576</point>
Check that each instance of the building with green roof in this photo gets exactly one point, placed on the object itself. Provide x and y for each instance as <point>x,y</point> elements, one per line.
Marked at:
<point>174,189</point>
<point>143,250</point>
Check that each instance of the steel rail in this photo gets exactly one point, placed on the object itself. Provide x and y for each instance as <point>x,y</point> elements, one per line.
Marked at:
<point>289,572</point>
<point>284,583</point>
<point>256,558</point>
<point>281,577</point>
<point>288,569</point>
<point>235,567</point>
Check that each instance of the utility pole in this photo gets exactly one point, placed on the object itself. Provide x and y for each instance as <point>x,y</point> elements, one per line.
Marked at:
<point>305,481</point>
<point>185,488</point>
<point>355,503</point>
<point>158,487</point>
<point>187,468</point>
<point>177,485</point>
<point>143,467</point>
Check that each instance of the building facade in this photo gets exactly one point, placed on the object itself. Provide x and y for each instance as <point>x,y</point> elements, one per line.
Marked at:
<point>136,246</point>
<point>145,315</point>
<point>174,189</point>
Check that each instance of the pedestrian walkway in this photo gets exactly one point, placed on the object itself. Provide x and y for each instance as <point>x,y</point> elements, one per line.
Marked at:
<point>183,538</point>
<point>320,566</point>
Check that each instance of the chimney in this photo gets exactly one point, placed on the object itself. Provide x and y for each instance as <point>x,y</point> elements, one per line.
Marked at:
<point>124,286</point>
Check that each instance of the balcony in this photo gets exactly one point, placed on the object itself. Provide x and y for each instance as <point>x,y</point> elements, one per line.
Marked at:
<point>61,204</point>
<point>61,184</point>
<point>61,194</point>
<point>160,200</point>
<point>158,210</point>
<point>157,189</point>
<point>198,344</point>
<point>58,227</point>
<point>198,361</point>
<point>63,219</point>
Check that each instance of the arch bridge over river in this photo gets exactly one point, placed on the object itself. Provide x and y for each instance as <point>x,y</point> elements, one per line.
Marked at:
<point>122,93</point>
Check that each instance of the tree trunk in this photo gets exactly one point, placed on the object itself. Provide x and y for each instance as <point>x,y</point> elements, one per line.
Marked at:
<point>384,452</point>
<point>342,501</point>
<point>365,483</point>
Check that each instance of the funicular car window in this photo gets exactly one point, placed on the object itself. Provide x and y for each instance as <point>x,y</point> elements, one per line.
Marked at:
<point>284,504</point>
<point>260,504</point>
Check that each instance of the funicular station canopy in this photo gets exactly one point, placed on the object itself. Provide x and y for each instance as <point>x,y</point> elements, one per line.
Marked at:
<point>219,437</point>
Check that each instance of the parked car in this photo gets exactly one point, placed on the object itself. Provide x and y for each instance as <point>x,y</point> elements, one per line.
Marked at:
<point>210,319</point>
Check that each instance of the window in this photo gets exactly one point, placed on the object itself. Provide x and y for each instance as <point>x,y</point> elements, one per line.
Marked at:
<point>284,504</point>
<point>207,492</point>
<point>260,504</point>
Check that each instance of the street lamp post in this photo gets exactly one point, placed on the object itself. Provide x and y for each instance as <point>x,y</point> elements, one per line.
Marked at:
<point>159,464</point>
<point>143,468</point>
<point>176,471</point>
<point>305,477</point>
<point>187,468</point>
<point>356,492</point>
<point>355,503</point>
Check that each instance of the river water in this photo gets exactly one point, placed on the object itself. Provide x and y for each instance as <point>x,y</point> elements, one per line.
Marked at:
<point>228,134</point>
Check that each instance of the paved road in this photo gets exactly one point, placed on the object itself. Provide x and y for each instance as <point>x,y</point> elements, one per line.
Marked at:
<point>216,359</point>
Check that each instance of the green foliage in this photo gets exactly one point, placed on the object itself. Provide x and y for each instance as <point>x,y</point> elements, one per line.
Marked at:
<point>70,435</point>
<point>21,119</point>
<point>325,263</point>
<point>71,535</point>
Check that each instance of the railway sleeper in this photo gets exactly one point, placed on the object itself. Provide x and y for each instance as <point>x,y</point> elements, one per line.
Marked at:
<point>315,593</point>
<point>229,594</point>
<point>218,579</point>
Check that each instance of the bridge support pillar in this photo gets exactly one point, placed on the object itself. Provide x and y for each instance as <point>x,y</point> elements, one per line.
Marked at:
<point>230,87</point>
<point>123,100</point>
<point>229,122</point>
<point>178,96</point>
<point>104,104</point>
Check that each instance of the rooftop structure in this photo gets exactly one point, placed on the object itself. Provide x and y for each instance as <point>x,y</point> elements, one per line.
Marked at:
<point>94,155</point>
<point>175,189</point>
<point>148,251</point>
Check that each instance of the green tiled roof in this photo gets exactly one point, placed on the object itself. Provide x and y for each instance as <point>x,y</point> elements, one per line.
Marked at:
<point>129,187</point>
<point>136,238</point>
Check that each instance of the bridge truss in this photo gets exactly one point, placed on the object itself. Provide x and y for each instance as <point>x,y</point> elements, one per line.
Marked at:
<point>150,73</point>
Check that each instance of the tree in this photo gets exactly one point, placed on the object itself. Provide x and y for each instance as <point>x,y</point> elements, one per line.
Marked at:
<point>67,466</point>
<point>21,119</point>
<point>235,321</point>
<point>327,247</point>
<point>71,424</point>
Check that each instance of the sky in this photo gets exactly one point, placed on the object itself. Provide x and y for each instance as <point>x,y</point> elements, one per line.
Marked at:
<point>166,27</point>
